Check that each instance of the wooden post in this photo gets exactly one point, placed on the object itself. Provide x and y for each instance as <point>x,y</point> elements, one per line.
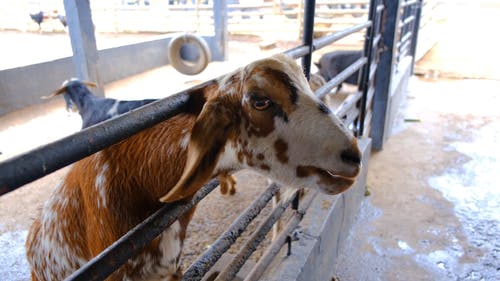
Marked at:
<point>81,31</point>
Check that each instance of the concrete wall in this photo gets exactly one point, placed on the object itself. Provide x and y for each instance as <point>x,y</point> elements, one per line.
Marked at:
<point>23,86</point>
<point>325,228</point>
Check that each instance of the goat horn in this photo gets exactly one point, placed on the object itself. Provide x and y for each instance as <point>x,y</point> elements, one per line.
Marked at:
<point>64,88</point>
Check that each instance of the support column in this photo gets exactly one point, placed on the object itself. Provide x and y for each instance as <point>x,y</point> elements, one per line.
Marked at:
<point>81,31</point>
<point>385,73</point>
<point>221,34</point>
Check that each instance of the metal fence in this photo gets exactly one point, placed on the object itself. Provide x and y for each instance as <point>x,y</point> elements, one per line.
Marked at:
<point>355,111</point>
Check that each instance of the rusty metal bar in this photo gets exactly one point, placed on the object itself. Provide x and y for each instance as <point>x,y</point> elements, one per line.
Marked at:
<point>32,165</point>
<point>136,239</point>
<point>253,241</point>
<point>203,264</point>
<point>277,244</point>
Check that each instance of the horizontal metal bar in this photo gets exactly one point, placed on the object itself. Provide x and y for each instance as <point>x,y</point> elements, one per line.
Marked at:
<point>408,3</point>
<point>273,249</point>
<point>41,161</point>
<point>136,239</point>
<point>297,52</point>
<point>301,51</point>
<point>337,80</point>
<point>406,21</point>
<point>348,103</point>
<point>351,116</point>
<point>202,265</point>
<point>329,39</point>
<point>253,241</point>
<point>405,39</point>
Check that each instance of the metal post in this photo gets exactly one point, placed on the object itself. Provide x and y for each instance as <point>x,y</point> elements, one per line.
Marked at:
<point>365,84</point>
<point>384,73</point>
<point>220,29</point>
<point>416,29</point>
<point>307,36</point>
<point>81,31</point>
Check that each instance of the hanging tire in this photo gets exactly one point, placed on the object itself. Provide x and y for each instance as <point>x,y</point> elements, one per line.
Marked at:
<point>184,66</point>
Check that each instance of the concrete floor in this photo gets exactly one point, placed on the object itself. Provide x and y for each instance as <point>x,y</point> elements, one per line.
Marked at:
<point>434,209</point>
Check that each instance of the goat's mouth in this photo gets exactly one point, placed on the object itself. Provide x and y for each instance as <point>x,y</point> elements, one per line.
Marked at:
<point>329,181</point>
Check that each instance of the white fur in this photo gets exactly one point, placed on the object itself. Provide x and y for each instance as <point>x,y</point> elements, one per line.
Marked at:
<point>113,111</point>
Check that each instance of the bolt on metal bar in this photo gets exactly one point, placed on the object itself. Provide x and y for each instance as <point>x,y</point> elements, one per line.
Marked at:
<point>337,80</point>
<point>136,239</point>
<point>253,241</point>
<point>202,265</point>
<point>277,244</point>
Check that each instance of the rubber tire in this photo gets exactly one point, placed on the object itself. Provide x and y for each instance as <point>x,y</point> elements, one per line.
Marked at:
<point>174,54</point>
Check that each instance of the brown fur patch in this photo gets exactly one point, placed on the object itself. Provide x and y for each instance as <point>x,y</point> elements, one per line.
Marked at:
<point>265,167</point>
<point>281,148</point>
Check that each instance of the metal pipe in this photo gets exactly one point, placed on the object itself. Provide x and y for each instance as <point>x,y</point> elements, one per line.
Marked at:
<point>203,264</point>
<point>366,73</point>
<point>281,239</point>
<point>408,3</point>
<point>337,80</point>
<point>136,239</point>
<point>329,39</point>
<point>41,161</point>
<point>253,241</point>
<point>348,103</point>
<point>307,35</point>
<point>297,52</point>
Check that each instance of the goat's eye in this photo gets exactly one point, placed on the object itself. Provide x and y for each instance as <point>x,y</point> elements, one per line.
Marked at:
<point>262,104</point>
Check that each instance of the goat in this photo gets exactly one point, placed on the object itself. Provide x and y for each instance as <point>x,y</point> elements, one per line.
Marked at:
<point>332,63</point>
<point>263,117</point>
<point>94,109</point>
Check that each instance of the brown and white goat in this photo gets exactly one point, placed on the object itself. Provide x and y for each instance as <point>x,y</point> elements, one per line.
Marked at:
<point>263,117</point>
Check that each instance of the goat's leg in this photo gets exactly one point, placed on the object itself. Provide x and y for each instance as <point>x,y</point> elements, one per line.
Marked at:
<point>227,184</point>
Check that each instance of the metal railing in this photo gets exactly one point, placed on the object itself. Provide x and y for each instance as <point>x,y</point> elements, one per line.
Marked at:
<point>355,111</point>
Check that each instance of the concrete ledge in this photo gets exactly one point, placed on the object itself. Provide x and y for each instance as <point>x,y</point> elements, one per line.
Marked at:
<point>322,234</point>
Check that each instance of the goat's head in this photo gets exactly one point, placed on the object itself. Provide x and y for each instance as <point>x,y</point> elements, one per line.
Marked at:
<point>265,117</point>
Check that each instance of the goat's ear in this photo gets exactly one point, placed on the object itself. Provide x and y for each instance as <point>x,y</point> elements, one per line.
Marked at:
<point>208,137</point>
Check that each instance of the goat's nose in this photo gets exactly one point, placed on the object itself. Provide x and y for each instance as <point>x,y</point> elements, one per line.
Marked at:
<point>351,156</point>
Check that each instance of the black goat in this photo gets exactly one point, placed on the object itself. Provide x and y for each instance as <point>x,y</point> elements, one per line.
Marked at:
<point>331,64</point>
